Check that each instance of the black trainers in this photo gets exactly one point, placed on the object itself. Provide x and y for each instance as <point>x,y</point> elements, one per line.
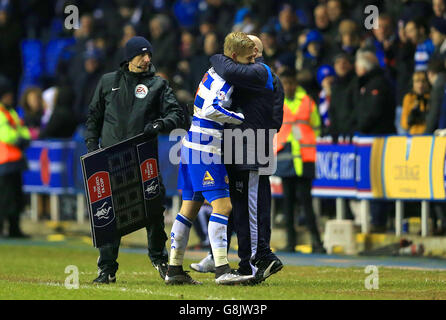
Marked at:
<point>162,268</point>
<point>105,278</point>
<point>177,275</point>
<point>266,268</point>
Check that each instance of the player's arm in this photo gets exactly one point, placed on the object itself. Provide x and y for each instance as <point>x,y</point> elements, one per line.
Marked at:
<point>252,76</point>
<point>215,110</point>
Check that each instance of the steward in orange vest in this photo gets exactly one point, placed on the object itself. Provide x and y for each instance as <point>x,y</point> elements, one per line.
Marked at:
<point>296,157</point>
<point>14,137</point>
<point>296,140</point>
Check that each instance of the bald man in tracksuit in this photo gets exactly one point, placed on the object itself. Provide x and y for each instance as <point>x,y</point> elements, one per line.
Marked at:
<point>256,91</point>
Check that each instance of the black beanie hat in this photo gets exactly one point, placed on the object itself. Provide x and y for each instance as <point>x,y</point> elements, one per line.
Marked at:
<point>136,46</point>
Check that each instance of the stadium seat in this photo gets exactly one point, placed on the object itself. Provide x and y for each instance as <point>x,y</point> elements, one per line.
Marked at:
<point>53,51</point>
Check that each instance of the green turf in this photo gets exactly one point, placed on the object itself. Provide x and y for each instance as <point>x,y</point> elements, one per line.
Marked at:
<point>38,272</point>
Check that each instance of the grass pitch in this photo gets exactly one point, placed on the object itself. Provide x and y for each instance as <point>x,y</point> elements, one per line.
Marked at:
<point>37,271</point>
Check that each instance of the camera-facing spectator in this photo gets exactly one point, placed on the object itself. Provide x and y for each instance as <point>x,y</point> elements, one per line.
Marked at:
<point>349,39</point>
<point>415,105</point>
<point>439,8</point>
<point>271,50</point>
<point>34,107</point>
<point>341,111</point>
<point>438,36</point>
<point>336,14</point>
<point>375,106</point>
<point>288,28</point>
<point>86,82</point>
<point>311,54</point>
<point>417,33</point>
<point>164,41</point>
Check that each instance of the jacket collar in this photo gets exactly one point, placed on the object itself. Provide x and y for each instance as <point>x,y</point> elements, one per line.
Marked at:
<point>146,74</point>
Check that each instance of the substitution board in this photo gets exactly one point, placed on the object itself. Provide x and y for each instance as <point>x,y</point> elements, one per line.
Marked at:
<point>122,187</point>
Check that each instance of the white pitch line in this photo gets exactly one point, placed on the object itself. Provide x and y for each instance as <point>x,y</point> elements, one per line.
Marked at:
<point>121,289</point>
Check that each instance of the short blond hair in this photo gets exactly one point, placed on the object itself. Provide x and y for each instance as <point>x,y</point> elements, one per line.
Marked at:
<point>238,42</point>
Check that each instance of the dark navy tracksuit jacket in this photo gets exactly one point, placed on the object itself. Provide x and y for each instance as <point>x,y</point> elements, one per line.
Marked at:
<point>258,94</point>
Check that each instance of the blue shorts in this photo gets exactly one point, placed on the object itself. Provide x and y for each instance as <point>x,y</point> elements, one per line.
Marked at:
<point>198,181</point>
<point>208,195</point>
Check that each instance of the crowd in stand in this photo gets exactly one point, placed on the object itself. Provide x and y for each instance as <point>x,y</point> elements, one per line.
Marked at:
<point>384,80</point>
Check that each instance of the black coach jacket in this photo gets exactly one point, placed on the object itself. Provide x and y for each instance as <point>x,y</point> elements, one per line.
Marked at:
<point>124,102</point>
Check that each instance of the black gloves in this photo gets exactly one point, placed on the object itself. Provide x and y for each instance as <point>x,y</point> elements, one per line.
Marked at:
<point>92,145</point>
<point>153,128</point>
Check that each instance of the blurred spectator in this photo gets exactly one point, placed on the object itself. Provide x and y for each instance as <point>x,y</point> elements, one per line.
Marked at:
<point>288,28</point>
<point>341,111</point>
<point>188,47</point>
<point>200,63</point>
<point>85,32</point>
<point>187,13</point>
<point>296,154</point>
<point>86,83</point>
<point>222,13</point>
<point>417,32</point>
<point>244,21</point>
<point>437,79</point>
<point>61,124</point>
<point>128,32</point>
<point>349,39</point>
<point>310,56</point>
<point>325,77</point>
<point>438,36</point>
<point>321,20</point>
<point>335,11</point>
<point>164,42</point>
<point>271,51</point>
<point>415,105</point>
<point>405,64</point>
<point>385,43</point>
<point>375,106</point>
<point>375,115</point>
<point>14,138</point>
<point>439,8</point>
<point>34,107</point>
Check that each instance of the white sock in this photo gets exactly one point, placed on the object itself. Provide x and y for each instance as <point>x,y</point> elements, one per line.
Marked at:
<point>217,230</point>
<point>179,236</point>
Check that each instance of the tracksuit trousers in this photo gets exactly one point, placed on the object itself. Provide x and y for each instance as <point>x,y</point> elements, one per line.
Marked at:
<point>156,238</point>
<point>251,211</point>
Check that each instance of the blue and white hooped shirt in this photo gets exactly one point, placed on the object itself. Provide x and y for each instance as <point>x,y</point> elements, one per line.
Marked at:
<point>212,100</point>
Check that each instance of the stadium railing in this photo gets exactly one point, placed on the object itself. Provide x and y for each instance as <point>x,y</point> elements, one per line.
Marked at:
<point>393,168</point>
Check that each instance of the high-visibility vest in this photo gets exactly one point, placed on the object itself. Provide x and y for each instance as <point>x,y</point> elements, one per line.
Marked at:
<point>12,130</point>
<point>301,125</point>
